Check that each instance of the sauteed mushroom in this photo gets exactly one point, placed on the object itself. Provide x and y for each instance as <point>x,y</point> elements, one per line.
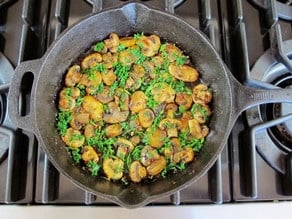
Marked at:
<point>133,109</point>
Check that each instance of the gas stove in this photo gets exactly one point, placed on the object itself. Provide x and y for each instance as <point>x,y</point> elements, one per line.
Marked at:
<point>254,38</point>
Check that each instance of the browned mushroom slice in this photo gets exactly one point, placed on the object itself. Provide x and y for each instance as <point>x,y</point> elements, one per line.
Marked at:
<point>124,147</point>
<point>127,41</point>
<point>137,171</point>
<point>104,96</point>
<point>202,94</point>
<point>122,99</point>
<point>162,92</point>
<point>183,72</point>
<point>138,101</point>
<point>89,131</point>
<point>67,104</point>
<point>187,154</point>
<point>170,109</point>
<point>113,168</point>
<point>109,77</point>
<point>156,166</point>
<point>113,130</point>
<point>137,72</point>
<point>197,130</point>
<point>171,52</point>
<point>156,137</point>
<point>171,150</point>
<point>73,76</point>
<point>112,42</point>
<point>171,126</point>
<point>91,60</point>
<point>109,59</point>
<point>115,115</point>
<point>73,138</point>
<point>93,106</point>
<point>201,112</point>
<point>148,155</point>
<point>88,153</point>
<point>185,120</point>
<point>184,100</point>
<point>146,118</point>
<point>149,45</point>
<point>91,80</point>
<point>127,58</point>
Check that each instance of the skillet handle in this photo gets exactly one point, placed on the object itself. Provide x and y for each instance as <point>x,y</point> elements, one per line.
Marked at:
<point>25,72</point>
<point>246,97</point>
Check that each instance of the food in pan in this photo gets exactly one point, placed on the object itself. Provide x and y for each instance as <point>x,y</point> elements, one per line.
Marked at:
<point>133,109</point>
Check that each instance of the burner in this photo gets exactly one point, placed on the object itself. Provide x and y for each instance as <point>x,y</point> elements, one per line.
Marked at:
<point>282,133</point>
<point>274,141</point>
<point>6,72</point>
<point>283,7</point>
<point>176,3</point>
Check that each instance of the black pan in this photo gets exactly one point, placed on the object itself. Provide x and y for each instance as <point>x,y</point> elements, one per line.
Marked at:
<point>230,97</point>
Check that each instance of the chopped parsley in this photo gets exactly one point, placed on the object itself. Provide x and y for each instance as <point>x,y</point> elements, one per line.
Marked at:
<point>99,47</point>
<point>63,118</point>
<point>94,167</point>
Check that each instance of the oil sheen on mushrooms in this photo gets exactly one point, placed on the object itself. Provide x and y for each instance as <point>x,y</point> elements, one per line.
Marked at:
<point>133,108</point>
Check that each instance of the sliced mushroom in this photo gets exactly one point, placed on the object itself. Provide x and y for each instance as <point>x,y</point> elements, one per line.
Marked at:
<point>146,117</point>
<point>183,72</point>
<point>109,77</point>
<point>135,140</point>
<point>174,148</point>
<point>184,100</point>
<point>109,59</point>
<point>197,130</point>
<point>137,72</point>
<point>104,96</point>
<point>73,76</point>
<point>162,92</point>
<point>138,101</point>
<point>202,94</point>
<point>148,155</point>
<point>89,131</point>
<point>115,115</point>
<point>67,104</point>
<point>171,126</point>
<point>156,137</point>
<point>91,80</point>
<point>201,112</point>
<point>91,60</point>
<point>149,45</point>
<point>93,106</point>
<point>112,42</point>
<point>73,138</point>
<point>187,154</point>
<point>113,168</point>
<point>185,120</point>
<point>156,166</point>
<point>127,41</point>
<point>170,109</point>
<point>171,52</point>
<point>122,99</point>
<point>113,130</point>
<point>124,147</point>
<point>137,171</point>
<point>88,154</point>
<point>127,58</point>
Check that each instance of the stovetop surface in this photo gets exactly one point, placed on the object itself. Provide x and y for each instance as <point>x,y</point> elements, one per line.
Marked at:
<point>241,31</point>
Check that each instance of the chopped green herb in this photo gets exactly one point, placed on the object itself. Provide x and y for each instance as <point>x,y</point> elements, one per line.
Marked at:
<point>63,118</point>
<point>137,36</point>
<point>121,47</point>
<point>76,155</point>
<point>180,59</point>
<point>94,167</point>
<point>99,47</point>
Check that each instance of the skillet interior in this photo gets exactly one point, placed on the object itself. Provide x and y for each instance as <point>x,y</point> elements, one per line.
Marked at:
<point>127,20</point>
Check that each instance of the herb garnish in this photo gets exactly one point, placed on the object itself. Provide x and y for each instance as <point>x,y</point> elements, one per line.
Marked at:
<point>99,47</point>
<point>63,118</point>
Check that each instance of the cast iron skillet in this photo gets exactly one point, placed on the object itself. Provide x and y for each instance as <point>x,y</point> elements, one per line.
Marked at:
<point>230,97</point>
